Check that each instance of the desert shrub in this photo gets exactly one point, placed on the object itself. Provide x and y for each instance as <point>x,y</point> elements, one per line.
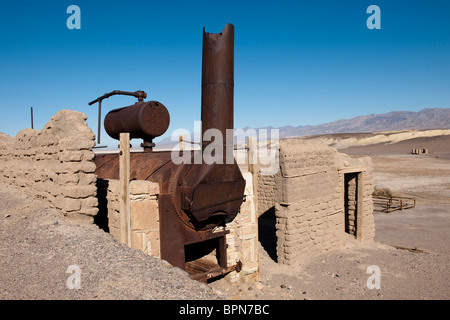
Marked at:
<point>382,192</point>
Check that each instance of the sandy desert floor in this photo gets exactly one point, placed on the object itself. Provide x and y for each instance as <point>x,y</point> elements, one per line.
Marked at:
<point>423,273</point>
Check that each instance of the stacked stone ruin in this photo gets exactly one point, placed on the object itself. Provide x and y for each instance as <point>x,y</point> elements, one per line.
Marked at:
<point>54,164</point>
<point>317,206</point>
<point>420,151</point>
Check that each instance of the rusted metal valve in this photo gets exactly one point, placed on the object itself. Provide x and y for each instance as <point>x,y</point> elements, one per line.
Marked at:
<point>140,95</point>
<point>145,120</point>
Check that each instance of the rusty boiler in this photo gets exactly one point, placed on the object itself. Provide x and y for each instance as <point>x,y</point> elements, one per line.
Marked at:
<point>195,198</point>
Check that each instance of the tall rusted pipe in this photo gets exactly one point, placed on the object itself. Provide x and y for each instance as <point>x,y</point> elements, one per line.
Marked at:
<point>218,81</point>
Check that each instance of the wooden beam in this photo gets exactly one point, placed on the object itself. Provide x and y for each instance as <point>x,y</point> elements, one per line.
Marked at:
<point>124,187</point>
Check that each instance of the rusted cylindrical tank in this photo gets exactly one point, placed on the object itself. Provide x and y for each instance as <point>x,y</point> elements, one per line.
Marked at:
<point>144,120</point>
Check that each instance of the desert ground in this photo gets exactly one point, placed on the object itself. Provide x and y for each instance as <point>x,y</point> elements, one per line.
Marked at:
<point>37,245</point>
<point>423,272</point>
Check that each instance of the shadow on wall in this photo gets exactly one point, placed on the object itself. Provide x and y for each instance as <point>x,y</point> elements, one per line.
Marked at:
<point>267,233</point>
<point>101,219</point>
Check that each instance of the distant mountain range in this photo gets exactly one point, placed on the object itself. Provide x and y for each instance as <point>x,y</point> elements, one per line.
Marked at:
<point>430,118</point>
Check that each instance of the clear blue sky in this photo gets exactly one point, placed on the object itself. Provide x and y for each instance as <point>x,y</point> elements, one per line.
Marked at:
<point>296,62</point>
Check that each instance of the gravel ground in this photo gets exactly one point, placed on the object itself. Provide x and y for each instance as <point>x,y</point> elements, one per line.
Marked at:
<point>38,244</point>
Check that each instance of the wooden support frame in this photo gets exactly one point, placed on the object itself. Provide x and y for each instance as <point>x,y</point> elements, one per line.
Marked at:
<point>389,204</point>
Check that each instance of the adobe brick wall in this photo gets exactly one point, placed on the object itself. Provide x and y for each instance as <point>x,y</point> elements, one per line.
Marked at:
<point>54,164</point>
<point>309,199</point>
<point>269,191</point>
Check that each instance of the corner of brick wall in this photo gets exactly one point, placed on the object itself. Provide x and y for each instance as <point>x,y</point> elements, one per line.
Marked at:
<point>242,241</point>
<point>368,223</point>
<point>54,164</point>
<point>307,194</point>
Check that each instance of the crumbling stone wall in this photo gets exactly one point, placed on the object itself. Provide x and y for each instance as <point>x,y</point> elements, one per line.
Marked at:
<point>242,240</point>
<point>269,191</point>
<point>54,164</point>
<point>310,207</point>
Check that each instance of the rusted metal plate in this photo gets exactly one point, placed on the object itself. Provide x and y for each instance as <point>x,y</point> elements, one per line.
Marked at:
<point>205,191</point>
<point>143,166</point>
<point>202,194</point>
<point>204,269</point>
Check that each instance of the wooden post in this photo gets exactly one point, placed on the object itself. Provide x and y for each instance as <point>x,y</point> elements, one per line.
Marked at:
<point>124,183</point>
<point>181,142</point>
<point>32,125</point>
<point>253,168</point>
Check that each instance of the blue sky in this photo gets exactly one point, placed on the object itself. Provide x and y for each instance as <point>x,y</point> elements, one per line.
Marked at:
<point>296,62</point>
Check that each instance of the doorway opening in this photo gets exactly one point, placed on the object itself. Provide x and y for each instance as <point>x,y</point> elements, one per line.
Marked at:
<point>267,233</point>
<point>351,203</point>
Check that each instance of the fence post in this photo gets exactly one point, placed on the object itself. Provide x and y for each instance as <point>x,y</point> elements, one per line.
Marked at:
<point>253,168</point>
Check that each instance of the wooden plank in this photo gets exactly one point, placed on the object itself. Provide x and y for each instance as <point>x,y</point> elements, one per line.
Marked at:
<point>124,187</point>
<point>415,250</point>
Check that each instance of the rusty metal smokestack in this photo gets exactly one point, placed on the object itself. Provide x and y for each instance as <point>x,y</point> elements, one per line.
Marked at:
<point>218,81</point>
<point>195,199</point>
